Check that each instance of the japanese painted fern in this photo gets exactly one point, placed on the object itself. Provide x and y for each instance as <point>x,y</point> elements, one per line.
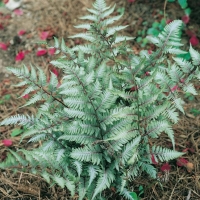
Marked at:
<point>96,126</point>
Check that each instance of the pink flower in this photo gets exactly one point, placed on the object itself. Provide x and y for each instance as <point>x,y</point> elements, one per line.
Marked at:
<point>181,162</point>
<point>20,56</point>
<point>3,46</point>
<point>153,160</point>
<point>194,41</point>
<point>55,71</point>
<point>169,21</point>
<point>44,35</point>
<point>18,12</point>
<point>174,88</point>
<point>41,52</point>
<point>7,142</point>
<point>190,33</point>
<point>149,51</point>
<point>147,73</point>
<point>51,51</point>
<point>131,1</point>
<point>165,167</point>
<point>25,96</point>
<point>1,27</point>
<point>21,32</point>
<point>185,19</point>
<point>134,89</point>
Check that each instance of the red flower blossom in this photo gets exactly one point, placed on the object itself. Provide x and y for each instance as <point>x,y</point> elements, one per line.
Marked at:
<point>21,32</point>
<point>147,73</point>
<point>18,12</point>
<point>133,88</point>
<point>149,51</point>
<point>153,160</point>
<point>181,162</point>
<point>3,46</point>
<point>165,167</point>
<point>7,142</point>
<point>55,71</point>
<point>1,27</point>
<point>169,21</point>
<point>186,19</point>
<point>194,41</point>
<point>190,33</point>
<point>174,88</point>
<point>44,35</point>
<point>131,1</point>
<point>20,56</point>
<point>41,52</point>
<point>25,96</point>
<point>51,51</point>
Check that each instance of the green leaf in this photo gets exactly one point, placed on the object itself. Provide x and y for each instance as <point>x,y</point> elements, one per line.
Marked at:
<point>153,31</point>
<point>188,11</point>
<point>7,97</point>
<point>16,132</point>
<point>134,195</point>
<point>183,3</point>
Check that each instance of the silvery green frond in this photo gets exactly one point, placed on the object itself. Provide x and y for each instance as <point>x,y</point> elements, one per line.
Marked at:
<point>53,82</point>
<point>111,20</point>
<point>46,176</point>
<point>171,31</point>
<point>172,114</point>
<point>112,30</point>
<point>85,36</point>
<point>87,154</point>
<point>107,12</point>
<point>189,88</point>
<point>42,77</point>
<point>18,119</point>
<point>84,26</point>
<point>92,171</point>
<point>79,138</point>
<point>126,194</point>
<point>149,169</point>
<point>130,149</point>
<point>195,56</point>
<point>186,66</point>
<point>119,39</point>
<point>104,181</point>
<point>155,128</point>
<point>100,5</point>
<point>34,99</point>
<point>164,154</point>
<point>82,188</point>
<point>78,166</point>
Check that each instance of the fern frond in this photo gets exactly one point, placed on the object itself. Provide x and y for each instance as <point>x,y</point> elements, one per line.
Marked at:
<point>195,56</point>
<point>87,154</point>
<point>164,154</point>
<point>104,181</point>
<point>92,171</point>
<point>18,119</point>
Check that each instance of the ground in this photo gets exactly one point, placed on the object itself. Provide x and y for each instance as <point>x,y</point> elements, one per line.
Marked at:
<point>58,19</point>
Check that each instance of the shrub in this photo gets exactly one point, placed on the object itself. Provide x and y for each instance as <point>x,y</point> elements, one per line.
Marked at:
<point>95,128</point>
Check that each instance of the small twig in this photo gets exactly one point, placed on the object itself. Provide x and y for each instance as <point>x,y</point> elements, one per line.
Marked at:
<point>173,190</point>
<point>165,5</point>
<point>189,195</point>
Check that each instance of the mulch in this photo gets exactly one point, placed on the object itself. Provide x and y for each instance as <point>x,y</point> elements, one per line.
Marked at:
<point>59,18</point>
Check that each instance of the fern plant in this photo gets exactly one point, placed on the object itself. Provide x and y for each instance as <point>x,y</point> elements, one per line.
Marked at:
<point>95,128</point>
